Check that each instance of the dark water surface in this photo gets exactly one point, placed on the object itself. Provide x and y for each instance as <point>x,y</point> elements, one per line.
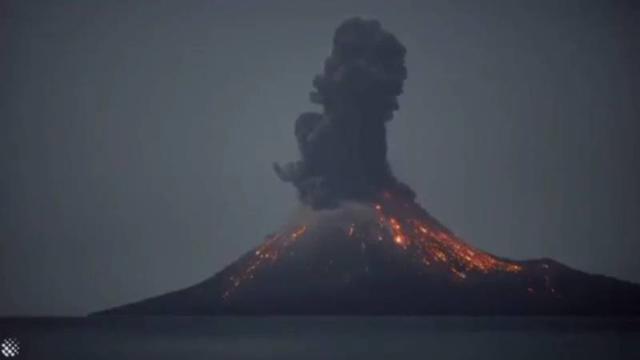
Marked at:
<point>324,338</point>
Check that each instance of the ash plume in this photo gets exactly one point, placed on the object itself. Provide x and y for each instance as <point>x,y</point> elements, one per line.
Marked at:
<point>343,149</point>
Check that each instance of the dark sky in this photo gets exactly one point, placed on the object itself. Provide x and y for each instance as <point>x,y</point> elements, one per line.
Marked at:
<point>137,138</point>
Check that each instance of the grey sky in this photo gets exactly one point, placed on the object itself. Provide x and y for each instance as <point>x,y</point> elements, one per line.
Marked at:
<point>137,138</point>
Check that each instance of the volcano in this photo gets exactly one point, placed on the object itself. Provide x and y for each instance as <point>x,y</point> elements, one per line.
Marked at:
<point>388,258</point>
<point>360,244</point>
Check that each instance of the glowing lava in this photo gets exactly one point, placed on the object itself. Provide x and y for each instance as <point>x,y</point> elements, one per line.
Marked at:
<point>415,232</point>
<point>269,252</point>
<point>420,237</point>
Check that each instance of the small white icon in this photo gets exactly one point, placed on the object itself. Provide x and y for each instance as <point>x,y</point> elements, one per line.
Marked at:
<point>10,347</point>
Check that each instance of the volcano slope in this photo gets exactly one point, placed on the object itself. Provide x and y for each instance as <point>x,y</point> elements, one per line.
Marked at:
<point>389,257</point>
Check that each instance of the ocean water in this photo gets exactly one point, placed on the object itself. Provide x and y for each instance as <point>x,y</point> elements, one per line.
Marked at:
<point>185,338</point>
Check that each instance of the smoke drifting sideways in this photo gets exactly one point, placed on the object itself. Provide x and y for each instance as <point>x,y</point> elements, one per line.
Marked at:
<point>344,149</point>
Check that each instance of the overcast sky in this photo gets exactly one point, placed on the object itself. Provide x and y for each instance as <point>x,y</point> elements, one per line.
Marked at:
<point>137,137</point>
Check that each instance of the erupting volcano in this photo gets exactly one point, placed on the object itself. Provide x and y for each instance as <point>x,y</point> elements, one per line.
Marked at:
<point>360,244</point>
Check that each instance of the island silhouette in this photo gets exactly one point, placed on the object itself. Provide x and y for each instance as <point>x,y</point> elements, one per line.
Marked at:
<point>359,243</point>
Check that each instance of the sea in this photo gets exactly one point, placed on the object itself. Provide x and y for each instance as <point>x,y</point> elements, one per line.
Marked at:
<point>445,337</point>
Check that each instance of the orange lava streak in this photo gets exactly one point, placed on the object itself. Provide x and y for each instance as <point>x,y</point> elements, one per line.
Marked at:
<point>296,234</point>
<point>268,252</point>
<point>435,245</point>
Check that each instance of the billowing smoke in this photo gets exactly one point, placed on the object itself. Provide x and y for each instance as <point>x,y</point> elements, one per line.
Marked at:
<point>344,149</point>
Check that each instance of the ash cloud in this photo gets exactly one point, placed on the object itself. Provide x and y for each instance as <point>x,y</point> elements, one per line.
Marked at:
<point>343,149</point>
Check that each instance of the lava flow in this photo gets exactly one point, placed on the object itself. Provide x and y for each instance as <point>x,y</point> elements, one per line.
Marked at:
<point>269,252</point>
<point>414,231</point>
<point>403,223</point>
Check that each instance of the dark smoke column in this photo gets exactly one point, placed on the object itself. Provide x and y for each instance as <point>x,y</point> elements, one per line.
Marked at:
<point>344,149</point>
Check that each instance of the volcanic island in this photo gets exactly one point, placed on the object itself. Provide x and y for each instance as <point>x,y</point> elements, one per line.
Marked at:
<point>359,243</point>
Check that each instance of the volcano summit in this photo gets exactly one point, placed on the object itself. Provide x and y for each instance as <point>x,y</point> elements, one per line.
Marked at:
<point>360,244</point>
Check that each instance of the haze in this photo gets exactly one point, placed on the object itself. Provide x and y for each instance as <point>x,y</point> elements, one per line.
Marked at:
<point>138,137</point>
